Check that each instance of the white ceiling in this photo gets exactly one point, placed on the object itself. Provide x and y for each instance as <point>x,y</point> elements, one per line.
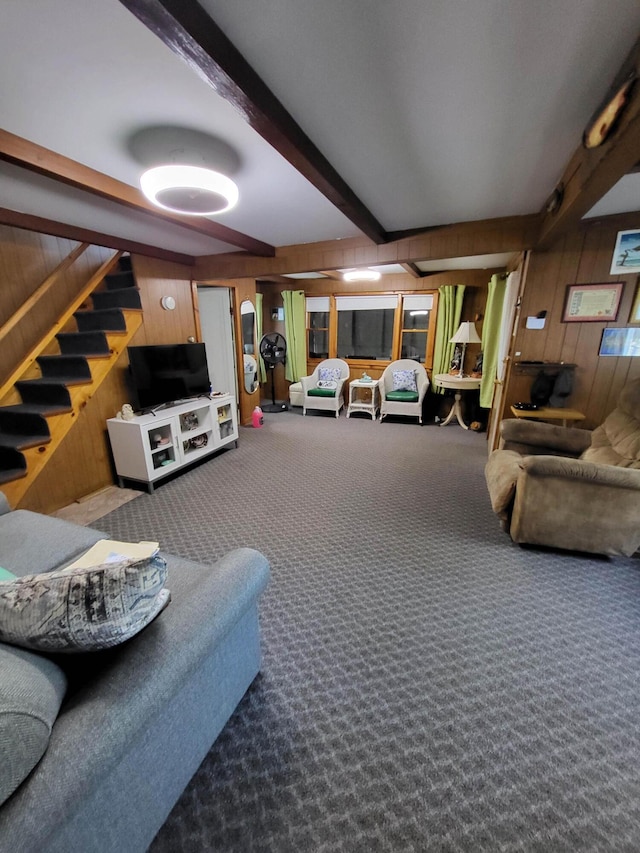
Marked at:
<point>432,111</point>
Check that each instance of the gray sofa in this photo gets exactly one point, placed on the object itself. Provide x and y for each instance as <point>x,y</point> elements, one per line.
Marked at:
<point>135,721</point>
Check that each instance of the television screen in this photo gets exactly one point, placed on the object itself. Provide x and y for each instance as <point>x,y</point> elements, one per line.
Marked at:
<point>167,373</point>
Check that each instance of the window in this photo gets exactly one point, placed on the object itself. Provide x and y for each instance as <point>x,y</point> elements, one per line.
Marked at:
<point>416,317</point>
<point>318,326</point>
<point>372,327</point>
<point>365,326</point>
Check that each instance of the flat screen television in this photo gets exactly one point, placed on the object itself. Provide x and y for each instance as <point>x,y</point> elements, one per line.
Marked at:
<point>166,373</point>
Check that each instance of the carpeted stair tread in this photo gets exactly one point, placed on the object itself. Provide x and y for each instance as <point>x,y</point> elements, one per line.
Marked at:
<point>93,343</point>
<point>34,409</point>
<point>70,379</point>
<point>66,368</point>
<point>9,474</point>
<point>128,297</point>
<point>13,465</point>
<point>49,392</point>
<point>12,441</point>
<point>120,279</point>
<point>103,319</point>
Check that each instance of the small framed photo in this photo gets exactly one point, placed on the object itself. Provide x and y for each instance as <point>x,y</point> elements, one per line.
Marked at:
<point>626,253</point>
<point>619,342</point>
<point>592,303</point>
<point>634,317</point>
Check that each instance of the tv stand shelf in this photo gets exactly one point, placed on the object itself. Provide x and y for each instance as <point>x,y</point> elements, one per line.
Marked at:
<point>152,446</point>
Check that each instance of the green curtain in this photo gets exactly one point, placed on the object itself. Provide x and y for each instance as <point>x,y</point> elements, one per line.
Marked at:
<point>296,334</point>
<point>491,337</point>
<point>450,297</point>
<point>262,373</point>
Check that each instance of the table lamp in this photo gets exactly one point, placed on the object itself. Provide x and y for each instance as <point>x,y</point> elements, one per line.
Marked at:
<point>466,334</point>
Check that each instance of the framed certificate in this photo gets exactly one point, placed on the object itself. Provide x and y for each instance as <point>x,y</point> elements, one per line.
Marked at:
<point>592,303</point>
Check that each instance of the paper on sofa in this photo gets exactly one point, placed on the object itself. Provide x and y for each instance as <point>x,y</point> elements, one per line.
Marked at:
<point>112,551</point>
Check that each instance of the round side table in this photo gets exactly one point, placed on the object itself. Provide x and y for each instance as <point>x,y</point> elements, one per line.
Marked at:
<point>458,384</point>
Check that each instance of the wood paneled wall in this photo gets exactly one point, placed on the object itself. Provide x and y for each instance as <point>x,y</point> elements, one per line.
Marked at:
<point>475,301</point>
<point>155,280</point>
<point>582,257</point>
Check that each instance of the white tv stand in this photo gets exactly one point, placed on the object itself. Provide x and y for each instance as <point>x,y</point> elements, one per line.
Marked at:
<point>152,446</point>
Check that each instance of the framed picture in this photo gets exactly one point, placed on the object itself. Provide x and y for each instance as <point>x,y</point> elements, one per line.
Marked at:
<point>634,317</point>
<point>620,342</point>
<point>592,303</point>
<point>626,253</point>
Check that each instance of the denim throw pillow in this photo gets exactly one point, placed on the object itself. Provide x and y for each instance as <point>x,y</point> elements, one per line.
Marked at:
<point>404,380</point>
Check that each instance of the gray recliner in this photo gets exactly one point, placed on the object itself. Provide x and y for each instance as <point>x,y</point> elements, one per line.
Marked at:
<point>571,488</point>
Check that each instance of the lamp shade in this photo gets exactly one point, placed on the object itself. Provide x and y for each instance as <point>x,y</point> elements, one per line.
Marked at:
<point>466,334</point>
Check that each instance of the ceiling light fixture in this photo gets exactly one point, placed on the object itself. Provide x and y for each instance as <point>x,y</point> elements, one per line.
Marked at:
<point>190,190</point>
<point>361,275</point>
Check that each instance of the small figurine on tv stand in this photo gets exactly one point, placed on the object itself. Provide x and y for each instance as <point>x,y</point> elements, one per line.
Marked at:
<point>126,413</point>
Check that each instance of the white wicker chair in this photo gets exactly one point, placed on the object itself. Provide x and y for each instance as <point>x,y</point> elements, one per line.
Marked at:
<point>319,398</point>
<point>401,405</point>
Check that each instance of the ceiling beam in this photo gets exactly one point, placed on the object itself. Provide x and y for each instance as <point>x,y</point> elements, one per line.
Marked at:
<point>70,232</point>
<point>592,172</point>
<point>464,239</point>
<point>28,155</point>
<point>185,27</point>
<point>412,269</point>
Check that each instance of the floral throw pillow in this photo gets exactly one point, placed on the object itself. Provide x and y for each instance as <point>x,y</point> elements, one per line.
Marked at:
<point>404,380</point>
<point>329,374</point>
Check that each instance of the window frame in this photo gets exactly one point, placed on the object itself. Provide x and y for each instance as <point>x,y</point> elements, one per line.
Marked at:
<point>430,330</point>
<point>396,348</point>
<point>313,359</point>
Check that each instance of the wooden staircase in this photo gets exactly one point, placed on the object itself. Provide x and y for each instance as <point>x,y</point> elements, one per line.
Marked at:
<point>41,400</point>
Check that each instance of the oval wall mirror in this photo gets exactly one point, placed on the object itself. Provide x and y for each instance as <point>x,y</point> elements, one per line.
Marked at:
<point>248,321</point>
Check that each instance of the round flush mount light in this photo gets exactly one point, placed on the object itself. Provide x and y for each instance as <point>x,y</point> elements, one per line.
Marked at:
<point>361,275</point>
<point>168,303</point>
<point>190,190</point>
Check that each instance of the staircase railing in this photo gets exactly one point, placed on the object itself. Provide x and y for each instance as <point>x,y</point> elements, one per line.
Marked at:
<point>29,360</point>
<point>42,290</point>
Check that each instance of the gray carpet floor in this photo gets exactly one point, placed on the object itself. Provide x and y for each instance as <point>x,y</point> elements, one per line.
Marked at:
<point>427,685</point>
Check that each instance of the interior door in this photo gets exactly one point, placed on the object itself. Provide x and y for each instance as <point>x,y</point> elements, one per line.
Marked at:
<point>216,324</point>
